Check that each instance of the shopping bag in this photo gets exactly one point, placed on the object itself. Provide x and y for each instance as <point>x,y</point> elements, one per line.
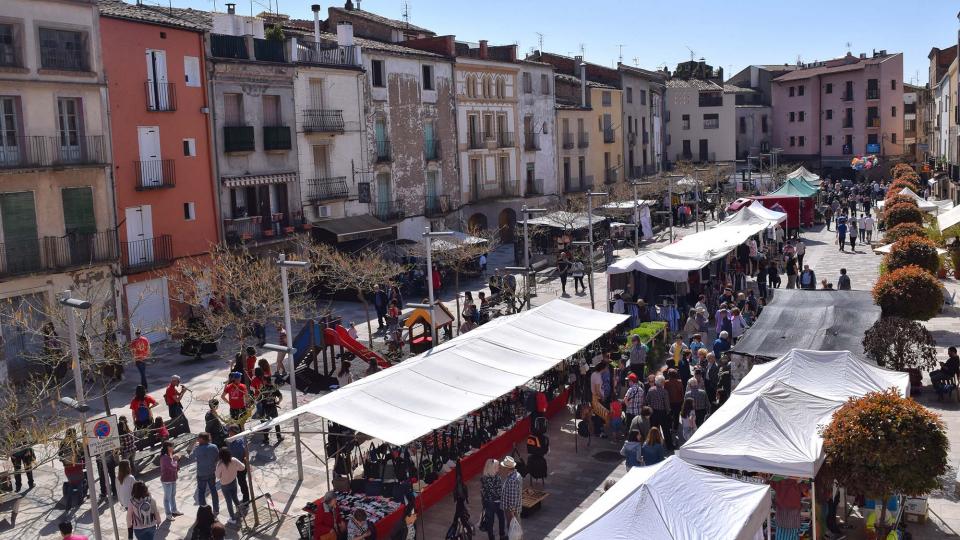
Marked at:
<point>515,532</point>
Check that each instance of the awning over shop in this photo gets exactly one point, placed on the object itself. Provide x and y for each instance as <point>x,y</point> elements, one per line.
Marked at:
<point>816,320</point>
<point>716,242</point>
<point>409,400</point>
<point>455,240</point>
<point>565,220</point>
<point>355,227</point>
<point>756,213</point>
<point>795,187</point>
<point>948,220</point>
<point>666,501</point>
<point>258,179</point>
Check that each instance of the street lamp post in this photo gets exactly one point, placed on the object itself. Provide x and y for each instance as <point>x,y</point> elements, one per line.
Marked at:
<point>526,249</point>
<point>696,177</point>
<point>72,304</point>
<point>284,265</point>
<point>427,236</point>
<point>590,196</point>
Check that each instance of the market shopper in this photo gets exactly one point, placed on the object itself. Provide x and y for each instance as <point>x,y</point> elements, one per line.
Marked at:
<point>652,451</point>
<point>140,346</point>
<point>328,522</point>
<point>141,408</point>
<point>142,514</point>
<point>172,396</point>
<point>843,282</point>
<point>659,402</point>
<point>512,495</point>
<point>226,473</point>
<point>631,450</point>
<point>633,399</point>
<point>491,490</point>
<point>701,403</point>
<point>169,472</point>
<point>577,269</point>
<point>206,455</point>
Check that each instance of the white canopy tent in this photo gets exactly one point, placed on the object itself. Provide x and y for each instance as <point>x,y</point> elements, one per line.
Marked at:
<point>886,249</point>
<point>803,174</point>
<point>935,207</point>
<point>770,215</point>
<point>948,219</point>
<point>716,242</point>
<point>409,400</point>
<point>627,205</point>
<point>755,214</point>
<point>666,500</point>
<point>828,374</point>
<point>565,220</point>
<point>659,265</point>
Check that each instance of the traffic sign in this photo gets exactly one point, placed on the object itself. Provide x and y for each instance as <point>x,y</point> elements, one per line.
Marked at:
<point>101,435</point>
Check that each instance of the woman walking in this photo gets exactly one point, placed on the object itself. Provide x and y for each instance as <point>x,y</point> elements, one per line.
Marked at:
<point>227,469</point>
<point>491,487</point>
<point>169,467</point>
<point>578,270</point>
<point>652,451</point>
<point>142,514</point>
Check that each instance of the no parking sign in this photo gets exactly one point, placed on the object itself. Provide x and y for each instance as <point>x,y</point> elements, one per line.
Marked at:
<point>102,435</point>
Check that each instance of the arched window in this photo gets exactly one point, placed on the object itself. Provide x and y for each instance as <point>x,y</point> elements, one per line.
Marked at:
<point>501,88</point>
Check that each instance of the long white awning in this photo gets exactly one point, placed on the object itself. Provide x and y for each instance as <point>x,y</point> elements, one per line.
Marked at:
<point>409,400</point>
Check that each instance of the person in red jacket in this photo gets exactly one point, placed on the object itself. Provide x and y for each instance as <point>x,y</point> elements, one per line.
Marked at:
<point>328,524</point>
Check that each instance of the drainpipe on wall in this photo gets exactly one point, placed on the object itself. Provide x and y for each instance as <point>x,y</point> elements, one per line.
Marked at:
<point>214,142</point>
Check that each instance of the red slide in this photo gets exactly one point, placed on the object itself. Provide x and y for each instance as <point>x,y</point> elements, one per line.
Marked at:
<point>342,338</point>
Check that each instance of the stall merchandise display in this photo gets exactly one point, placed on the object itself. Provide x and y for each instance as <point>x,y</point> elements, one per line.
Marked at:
<point>375,507</point>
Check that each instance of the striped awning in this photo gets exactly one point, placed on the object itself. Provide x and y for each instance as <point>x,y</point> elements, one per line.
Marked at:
<point>258,179</point>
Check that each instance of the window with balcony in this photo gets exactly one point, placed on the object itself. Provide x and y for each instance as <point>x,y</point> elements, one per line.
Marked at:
<point>793,116</point>
<point>763,123</point>
<point>848,91</point>
<point>873,88</point>
<point>10,46</point>
<point>685,121</point>
<point>873,117</point>
<point>12,143</point>
<point>276,136</point>
<point>711,121</point>
<point>63,50</point>
<point>801,116</point>
<point>378,76</point>
<point>428,83</point>
<point>848,118</point>
<point>909,108</point>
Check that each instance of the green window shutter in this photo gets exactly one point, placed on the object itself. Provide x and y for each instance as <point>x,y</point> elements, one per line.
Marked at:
<point>78,216</point>
<point>19,216</point>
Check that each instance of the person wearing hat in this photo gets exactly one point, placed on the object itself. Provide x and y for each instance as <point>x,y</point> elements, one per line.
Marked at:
<point>644,315</point>
<point>140,347</point>
<point>172,397</point>
<point>633,399</point>
<point>235,394</point>
<point>511,498</point>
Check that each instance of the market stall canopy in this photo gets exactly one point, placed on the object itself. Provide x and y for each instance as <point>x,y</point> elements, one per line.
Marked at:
<point>766,213</point>
<point>716,242</point>
<point>409,400</point>
<point>666,501</point>
<point>353,228</point>
<point>685,184</point>
<point>949,219</point>
<point>795,187</point>
<point>775,431</point>
<point>816,320</point>
<point>836,375</point>
<point>565,220</point>
<point>455,240</point>
<point>626,205</point>
<point>805,175</point>
<point>886,249</point>
<point>659,265</point>
<point>926,205</point>
<point>756,214</point>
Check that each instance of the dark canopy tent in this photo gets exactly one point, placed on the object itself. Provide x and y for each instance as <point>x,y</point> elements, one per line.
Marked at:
<point>817,320</point>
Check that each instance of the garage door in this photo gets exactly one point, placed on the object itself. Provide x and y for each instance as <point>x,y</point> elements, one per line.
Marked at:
<point>148,307</point>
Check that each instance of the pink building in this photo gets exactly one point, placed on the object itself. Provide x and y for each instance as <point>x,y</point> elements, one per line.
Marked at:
<point>826,112</point>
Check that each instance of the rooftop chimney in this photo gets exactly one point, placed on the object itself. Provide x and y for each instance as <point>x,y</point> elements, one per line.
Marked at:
<point>578,60</point>
<point>348,6</point>
<point>345,33</point>
<point>316,22</point>
<point>231,9</point>
<point>483,49</point>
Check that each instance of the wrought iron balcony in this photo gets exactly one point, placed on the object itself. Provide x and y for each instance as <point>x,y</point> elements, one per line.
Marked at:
<point>436,206</point>
<point>323,120</point>
<point>268,50</point>
<point>609,136</point>
<point>610,176</point>
<point>475,140</point>
<point>67,149</point>
<point>155,174</point>
<point>146,254</point>
<point>63,59</point>
<point>225,46</point>
<point>575,185</point>
<point>583,139</point>
<point>238,139</point>
<point>504,139</point>
<point>534,187</point>
<point>431,149</point>
<point>383,151</point>
<point>326,189</point>
<point>276,138</point>
<point>56,253</point>
<point>567,141</point>
<point>312,53</point>
<point>531,141</point>
<point>387,210</point>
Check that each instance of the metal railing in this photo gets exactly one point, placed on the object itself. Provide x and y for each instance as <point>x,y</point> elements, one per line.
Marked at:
<point>534,187</point>
<point>475,140</point>
<point>847,123</point>
<point>636,171</point>
<point>323,120</point>
<point>387,210</point>
<point>161,97</point>
<point>504,139</point>
<point>609,136</point>
<point>583,139</point>
<point>383,151</point>
<point>24,151</point>
<point>436,205</point>
<point>257,228</point>
<point>67,60</point>
<point>10,55</point>
<point>145,254</point>
<point>510,188</point>
<point>155,174</point>
<point>224,46</point>
<point>238,139</point>
<point>56,253</point>
<point>567,141</point>
<point>334,56</point>
<point>873,93</point>
<point>431,149</point>
<point>846,96</point>
<point>277,138</point>
<point>531,141</point>
<point>268,50</point>
<point>873,122</point>
<point>38,151</point>
<point>325,189</point>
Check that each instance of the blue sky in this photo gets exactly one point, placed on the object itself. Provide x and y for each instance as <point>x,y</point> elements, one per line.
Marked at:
<point>727,33</point>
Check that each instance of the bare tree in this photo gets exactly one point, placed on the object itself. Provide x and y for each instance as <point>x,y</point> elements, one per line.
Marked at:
<point>360,273</point>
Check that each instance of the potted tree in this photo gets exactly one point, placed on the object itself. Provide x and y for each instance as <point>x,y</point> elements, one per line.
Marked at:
<point>902,345</point>
<point>910,292</point>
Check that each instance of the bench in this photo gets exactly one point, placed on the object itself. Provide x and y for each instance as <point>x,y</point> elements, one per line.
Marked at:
<point>149,456</point>
<point>10,504</point>
<point>530,501</point>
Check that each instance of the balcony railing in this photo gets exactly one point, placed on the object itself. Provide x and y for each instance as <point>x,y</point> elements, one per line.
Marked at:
<point>323,120</point>
<point>847,96</point>
<point>238,139</point>
<point>610,176</point>
<point>146,254</point>
<point>62,59</point>
<point>10,55</point>
<point>436,206</point>
<point>387,210</point>
<point>510,188</point>
<point>383,151</point>
<point>534,187</point>
<point>27,151</point>
<point>161,97</point>
<point>847,123</point>
<point>567,141</point>
<point>504,139</point>
<point>431,149</point>
<point>56,253</point>
<point>531,141</point>
<point>276,138</point>
<point>24,151</point>
<point>873,122</point>
<point>583,140</point>
<point>609,136</point>
<point>258,228</point>
<point>576,185</point>
<point>334,56</point>
<point>268,50</point>
<point>326,189</point>
<point>636,171</point>
<point>475,140</point>
<point>155,174</point>
<point>224,46</point>
<point>873,93</point>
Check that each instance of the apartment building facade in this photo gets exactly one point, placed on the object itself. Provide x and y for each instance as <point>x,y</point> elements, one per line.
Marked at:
<point>700,118</point>
<point>827,112</point>
<point>56,200</point>
<point>915,145</point>
<point>754,114</point>
<point>642,119</point>
<point>164,185</point>
<point>538,158</point>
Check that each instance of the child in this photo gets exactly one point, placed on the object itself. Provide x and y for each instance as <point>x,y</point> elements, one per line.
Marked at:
<point>616,418</point>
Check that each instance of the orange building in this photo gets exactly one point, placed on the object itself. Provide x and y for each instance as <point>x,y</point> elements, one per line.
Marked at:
<point>166,207</point>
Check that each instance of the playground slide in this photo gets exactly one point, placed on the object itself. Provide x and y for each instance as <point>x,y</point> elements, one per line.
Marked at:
<point>342,338</point>
<point>303,341</point>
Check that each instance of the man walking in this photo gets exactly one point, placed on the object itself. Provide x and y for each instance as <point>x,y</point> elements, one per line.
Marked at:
<point>842,232</point>
<point>866,228</point>
<point>140,347</point>
<point>380,305</point>
<point>206,454</point>
<point>563,269</point>
<point>238,449</point>
<point>659,402</point>
<point>800,249</point>
<point>808,279</point>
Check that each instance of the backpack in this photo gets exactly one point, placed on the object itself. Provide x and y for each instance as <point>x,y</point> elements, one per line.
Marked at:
<point>538,425</point>
<point>538,444</point>
<point>537,466</point>
<point>143,413</point>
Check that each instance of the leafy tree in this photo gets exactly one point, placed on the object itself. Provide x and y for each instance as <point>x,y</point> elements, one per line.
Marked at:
<point>900,344</point>
<point>274,33</point>
<point>894,197</point>
<point>910,292</point>
<point>883,444</point>
<point>903,230</point>
<point>897,186</point>
<point>913,250</point>
<point>901,169</point>
<point>902,213</point>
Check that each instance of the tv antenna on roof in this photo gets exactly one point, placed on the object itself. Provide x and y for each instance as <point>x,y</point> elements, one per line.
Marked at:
<point>636,61</point>
<point>406,12</point>
<point>539,40</point>
<point>583,49</point>
<point>621,53</point>
<point>692,53</point>
<point>848,47</point>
